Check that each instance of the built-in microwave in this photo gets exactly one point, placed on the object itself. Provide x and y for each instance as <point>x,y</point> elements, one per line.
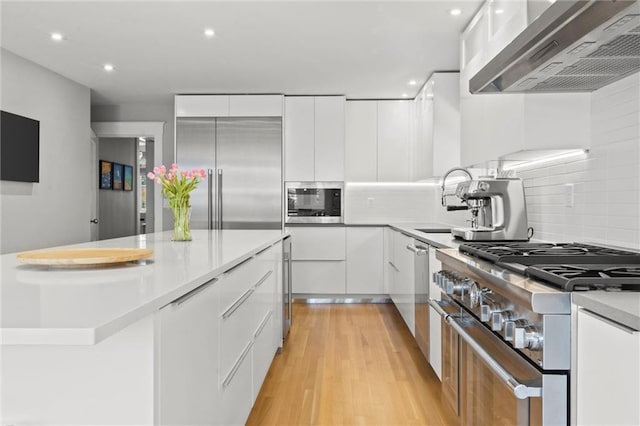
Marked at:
<point>314,202</point>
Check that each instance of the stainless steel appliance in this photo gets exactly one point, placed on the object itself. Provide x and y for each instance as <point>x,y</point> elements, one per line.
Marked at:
<point>314,202</point>
<point>421,291</point>
<point>498,210</point>
<point>512,324</point>
<point>243,157</point>
<point>286,288</point>
<point>573,46</point>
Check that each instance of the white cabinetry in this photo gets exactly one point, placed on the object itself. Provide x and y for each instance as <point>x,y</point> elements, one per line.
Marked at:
<point>437,130</point>
<point>228,106</point>
<point>378,141</point>
<point>435,320</point>
<point>364,260</point>
<point>314,138</point>
<point>361,145</point>
<point>402,280</point>
<point>318,259</point>
<point>188,349</point>
<point>607,372</point>
<point>494,125</point>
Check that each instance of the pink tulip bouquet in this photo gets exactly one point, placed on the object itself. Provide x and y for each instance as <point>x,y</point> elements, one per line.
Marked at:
<point>176,186</point>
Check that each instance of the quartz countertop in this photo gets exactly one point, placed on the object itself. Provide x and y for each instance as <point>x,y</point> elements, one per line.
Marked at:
<point>621,307</point>
<point>83,306</point>
<point>435,239</point>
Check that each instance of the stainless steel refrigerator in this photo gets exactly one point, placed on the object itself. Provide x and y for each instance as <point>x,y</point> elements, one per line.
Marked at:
<point>243,160</point>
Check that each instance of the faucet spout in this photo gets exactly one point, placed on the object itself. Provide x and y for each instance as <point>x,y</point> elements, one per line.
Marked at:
<point>446,175</point>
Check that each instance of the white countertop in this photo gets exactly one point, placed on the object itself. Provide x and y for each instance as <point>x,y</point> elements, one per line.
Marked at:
<point>622,307</point>
<point>436,239</point>
<point>82,306</point>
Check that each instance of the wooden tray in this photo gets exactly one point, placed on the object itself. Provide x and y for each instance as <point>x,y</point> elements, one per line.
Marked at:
<point>83,257</point>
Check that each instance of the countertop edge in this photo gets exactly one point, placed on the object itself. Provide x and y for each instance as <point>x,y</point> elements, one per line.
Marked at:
<point>592,301</point>
<point>87,336</point>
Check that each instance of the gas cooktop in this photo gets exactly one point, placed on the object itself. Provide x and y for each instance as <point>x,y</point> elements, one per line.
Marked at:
<point>569,266</point>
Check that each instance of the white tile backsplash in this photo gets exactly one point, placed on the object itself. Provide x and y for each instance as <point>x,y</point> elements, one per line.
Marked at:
<point>606,191</point>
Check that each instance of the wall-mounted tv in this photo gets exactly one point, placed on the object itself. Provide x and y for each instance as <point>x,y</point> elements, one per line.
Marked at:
<point>19,148</point>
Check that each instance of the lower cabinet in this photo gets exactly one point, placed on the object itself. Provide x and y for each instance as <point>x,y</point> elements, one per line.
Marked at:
<point>435,320</point>
<point>217,343</point>
<point>188,352</point>
<point>607,372</point>
<point>365,261</point>
<point>322,277</point>
<point>402,277</point>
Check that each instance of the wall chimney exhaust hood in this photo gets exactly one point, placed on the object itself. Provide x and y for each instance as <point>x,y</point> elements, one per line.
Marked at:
<point>573,46</point>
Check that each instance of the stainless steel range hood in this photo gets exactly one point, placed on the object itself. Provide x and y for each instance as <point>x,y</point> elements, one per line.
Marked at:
<point>573,46</point>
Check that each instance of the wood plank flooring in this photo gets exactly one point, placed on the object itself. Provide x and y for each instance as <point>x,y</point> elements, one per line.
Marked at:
<point>350,365</point>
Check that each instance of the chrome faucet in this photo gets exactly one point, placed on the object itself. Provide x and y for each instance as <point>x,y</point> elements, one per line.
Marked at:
<point>444,179</point>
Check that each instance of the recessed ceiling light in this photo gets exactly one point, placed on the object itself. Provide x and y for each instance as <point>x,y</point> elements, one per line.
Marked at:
<point>412,82</point>
<point>56,37</point>
<point>108,67</point>
<point>404,95</point>
<point>499,11</point>
<point>209,32</point>
<point>455,12</point>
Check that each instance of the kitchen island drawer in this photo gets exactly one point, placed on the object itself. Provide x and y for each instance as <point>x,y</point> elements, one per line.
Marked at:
<point>237,283</point>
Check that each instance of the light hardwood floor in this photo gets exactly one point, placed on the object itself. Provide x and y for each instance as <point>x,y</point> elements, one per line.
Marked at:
<point>347,365</point>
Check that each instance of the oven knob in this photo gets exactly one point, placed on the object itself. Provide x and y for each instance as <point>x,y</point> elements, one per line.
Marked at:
<point>487,310</point>
<point>457,286</point>
<point>511,329</point>
<point>499,318</point>
<point>527,337</point>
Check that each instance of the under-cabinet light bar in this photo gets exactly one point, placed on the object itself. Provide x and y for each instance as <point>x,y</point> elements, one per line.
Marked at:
<point>548,159</point>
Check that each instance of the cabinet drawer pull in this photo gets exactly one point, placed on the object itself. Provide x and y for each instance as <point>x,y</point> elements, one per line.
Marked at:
<point>263,279</point>
<point>263,324</point>
<point>238,303</point>
<point>236,366</point>
<point>185,297</point>
<point>262,251</point>
<point>609,321</point>
<point>228,271</point>
<point>394,266</point>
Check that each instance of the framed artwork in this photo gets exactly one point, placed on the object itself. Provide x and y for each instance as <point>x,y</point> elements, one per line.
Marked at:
<point>117,175</point>
<point>128,178</point>
<point>105,179</point>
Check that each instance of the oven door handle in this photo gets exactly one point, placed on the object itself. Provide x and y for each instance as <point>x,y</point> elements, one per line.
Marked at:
<point>521,391</point>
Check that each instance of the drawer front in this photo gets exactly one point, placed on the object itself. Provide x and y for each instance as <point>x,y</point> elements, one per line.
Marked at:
<point>318,277</point>
<point>236,400</point>
<point>234,284</point>
<point>236,331</point>
<point>318,243</point>
<point>263,351</point>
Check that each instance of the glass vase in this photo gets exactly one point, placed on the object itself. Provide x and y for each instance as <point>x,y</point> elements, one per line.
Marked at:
<point>181,227</point>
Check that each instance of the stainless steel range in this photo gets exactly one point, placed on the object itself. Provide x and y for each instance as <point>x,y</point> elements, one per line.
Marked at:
<point>509,307</point>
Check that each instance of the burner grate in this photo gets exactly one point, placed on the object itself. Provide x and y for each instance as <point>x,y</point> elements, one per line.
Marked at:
<point>586,277</point>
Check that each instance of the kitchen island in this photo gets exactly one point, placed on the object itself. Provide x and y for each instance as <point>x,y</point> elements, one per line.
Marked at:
<point>184,337</point>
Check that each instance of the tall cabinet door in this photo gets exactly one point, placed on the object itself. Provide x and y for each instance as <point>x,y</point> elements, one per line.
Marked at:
<point>299,138</point>
<point>361,144</point>
<point>195,148</point>
<point>188,359</point>
<point>393,141</point>
<point>329,138</point>
<point>249,165</point>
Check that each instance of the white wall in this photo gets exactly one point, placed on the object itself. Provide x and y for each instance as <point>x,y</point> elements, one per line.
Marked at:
<point>606,185</point>
<point>56,210</point>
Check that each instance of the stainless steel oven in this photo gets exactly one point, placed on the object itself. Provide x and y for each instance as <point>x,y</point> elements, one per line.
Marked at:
<point>315,202</point>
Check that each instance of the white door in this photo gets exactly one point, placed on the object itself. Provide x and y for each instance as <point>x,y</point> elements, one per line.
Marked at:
<point>94,225</point>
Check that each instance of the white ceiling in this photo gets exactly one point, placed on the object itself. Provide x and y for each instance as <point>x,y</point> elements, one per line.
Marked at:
<point>361,49</point>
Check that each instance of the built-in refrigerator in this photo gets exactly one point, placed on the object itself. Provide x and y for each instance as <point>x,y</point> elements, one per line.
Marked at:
<point>243,160</point>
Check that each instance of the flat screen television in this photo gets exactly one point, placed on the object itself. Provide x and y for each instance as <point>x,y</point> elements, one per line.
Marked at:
<point>19,148</point>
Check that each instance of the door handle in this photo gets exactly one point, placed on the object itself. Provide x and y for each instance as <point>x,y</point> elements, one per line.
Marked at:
<point>94,220</point>
<point>209,199</point>
<point>419,251</point>
<point>219,195</point>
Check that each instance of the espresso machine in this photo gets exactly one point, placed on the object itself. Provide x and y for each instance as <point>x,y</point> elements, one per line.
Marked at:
<point>498,210</point>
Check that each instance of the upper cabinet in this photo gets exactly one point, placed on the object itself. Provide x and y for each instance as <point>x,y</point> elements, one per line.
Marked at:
<point>378,135</point>
<point>494,125</point>
<point>228,106</point>
<point>436,147</point>
<point>314,138</point>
